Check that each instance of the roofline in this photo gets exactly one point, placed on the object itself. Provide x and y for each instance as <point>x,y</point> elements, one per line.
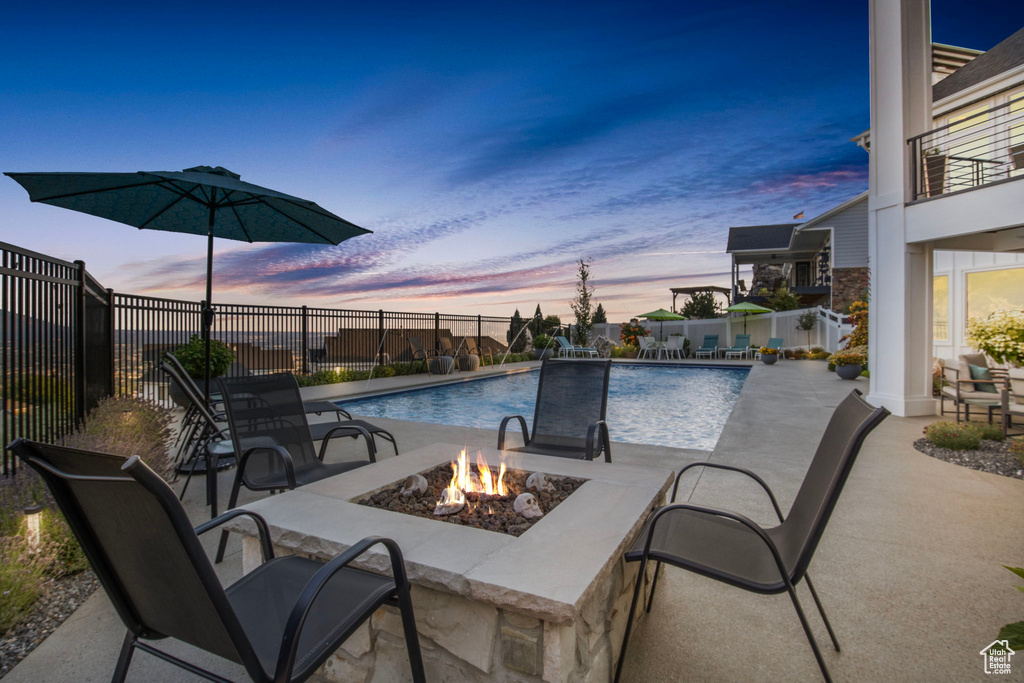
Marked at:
<point>958,48</point>
<point>831,212</point>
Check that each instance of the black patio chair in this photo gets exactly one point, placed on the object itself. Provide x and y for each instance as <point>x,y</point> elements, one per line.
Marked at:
<point>272,439</point>
<point>420,353</point>
<point>281,621</point>
<point>569,416</point>
<point>731,548</point>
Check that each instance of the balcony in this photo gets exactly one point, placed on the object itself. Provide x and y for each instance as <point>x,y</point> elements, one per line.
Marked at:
<point>976,149</point>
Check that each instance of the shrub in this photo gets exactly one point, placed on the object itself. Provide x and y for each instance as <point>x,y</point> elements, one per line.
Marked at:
<point>818,355</point>
<point>798,354</point>
<point>957,436</point>
<point>1017,449</point>
<point>630,332</point>
<point>193,357</point>
<point>21,582</point>
<point>543,341</point>
<point>859,317</point>
<point>1000,336</point>
<point>818,349</point>
<point>625,351</point>
<point>701,306</point>
<point>382,371</point>
<point>128,425</point>
<point>783,300</point>
<point>988,430</point>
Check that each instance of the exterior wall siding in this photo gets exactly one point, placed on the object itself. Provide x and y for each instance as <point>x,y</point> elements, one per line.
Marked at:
<point>850,236</point>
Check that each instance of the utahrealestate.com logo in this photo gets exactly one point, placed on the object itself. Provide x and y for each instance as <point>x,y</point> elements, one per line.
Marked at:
<point>997,657</point>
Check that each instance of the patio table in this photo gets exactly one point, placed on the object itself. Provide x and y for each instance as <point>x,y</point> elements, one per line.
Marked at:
<point>551,603</point>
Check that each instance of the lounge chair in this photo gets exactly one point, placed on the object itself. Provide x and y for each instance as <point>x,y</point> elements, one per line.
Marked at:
<point>473,350</point>
<point>280,621</point>
<point>964,389</point>
<point>773,343</point>
<point>708,348</point>
<point>569,416</point>
<point>273,440</point>
<point>731,548</point>
<point>419,353</point>
<point>741,348</point>
<point>567,350</point>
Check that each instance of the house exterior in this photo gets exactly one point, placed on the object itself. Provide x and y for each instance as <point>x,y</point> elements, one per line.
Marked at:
<point>824,261</point>
<point>945,162</point>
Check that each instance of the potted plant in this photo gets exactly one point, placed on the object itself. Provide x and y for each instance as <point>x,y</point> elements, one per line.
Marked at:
<point>769,356</point>
<point>849,363</point>
<point>934,171</point>
<point>192,357</point>
<point>1000,336</point>
<point>543,347</point>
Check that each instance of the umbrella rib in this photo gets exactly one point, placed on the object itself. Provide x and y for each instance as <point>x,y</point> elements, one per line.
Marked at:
<point>241,224</point>
<point>321,211</point>
<point>183,194</point>
<point>106,189</point>
<point>160,212</point>
<point>315,232</point>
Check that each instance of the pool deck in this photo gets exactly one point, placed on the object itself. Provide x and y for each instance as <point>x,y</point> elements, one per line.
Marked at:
<point>909,567</point>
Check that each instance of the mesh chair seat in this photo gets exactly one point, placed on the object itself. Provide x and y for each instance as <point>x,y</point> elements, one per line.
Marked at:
<point>304,474</point>
<point>264,599</point>
<point>578,453</point>
<point>319,430</point>
<point>713,546</point>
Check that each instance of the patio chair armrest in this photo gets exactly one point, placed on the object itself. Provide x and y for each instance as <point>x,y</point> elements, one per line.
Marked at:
<point>504,425</point>
<point>731,468</point>
<point>261,527</point>
<point>605,440</point>
<point>297,618</point>
<point>282,452</point>
<point>370,449</point>
<point>736,517</point>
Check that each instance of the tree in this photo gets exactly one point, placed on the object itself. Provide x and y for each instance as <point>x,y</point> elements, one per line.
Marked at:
<point>783,300</point>
<point>806,322</point>
<point>701,305</point>
<point>516,340</point>
<point>581,304</point>
<point>600,316</point>
<point>550,324</point>
<point>538,320</point>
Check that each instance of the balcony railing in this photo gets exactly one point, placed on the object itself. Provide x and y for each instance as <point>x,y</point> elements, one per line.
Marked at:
<point>970,151</point>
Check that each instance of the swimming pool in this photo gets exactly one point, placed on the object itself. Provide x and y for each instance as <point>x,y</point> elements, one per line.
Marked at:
<point>682,407</point>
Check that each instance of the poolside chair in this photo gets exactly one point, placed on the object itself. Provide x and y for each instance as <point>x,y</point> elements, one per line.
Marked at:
<point>473,350</point>
<point>568,350</point>
<point>273,440</point>
<point>569,416</point>
<point>419,353</point>
<point>647,345</point>
<point>971,382</point>
<point>280,622</point>
<point>773,343</point>
<point>709,348</point>
<point>446,347</point>
<point>676,346</point>
<point>741,347</point>
<point>729,547</point>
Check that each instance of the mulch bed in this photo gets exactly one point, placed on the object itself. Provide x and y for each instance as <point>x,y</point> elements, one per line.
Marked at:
<point>493,514</point>
<point>58,601</point>
<point>993,457</point>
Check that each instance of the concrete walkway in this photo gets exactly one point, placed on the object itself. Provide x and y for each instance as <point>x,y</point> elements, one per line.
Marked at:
<point>909,568</point>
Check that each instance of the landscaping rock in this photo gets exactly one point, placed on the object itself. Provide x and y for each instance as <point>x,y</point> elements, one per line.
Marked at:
<point>604,346</point>
<point>993,457</point>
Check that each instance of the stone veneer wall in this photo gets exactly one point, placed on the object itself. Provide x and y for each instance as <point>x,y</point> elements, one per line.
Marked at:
<point>848,285</point>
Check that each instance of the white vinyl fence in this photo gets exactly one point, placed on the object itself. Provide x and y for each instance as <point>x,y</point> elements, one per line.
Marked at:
<point>828,330</point>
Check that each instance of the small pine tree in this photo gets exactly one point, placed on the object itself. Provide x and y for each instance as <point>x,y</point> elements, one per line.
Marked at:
<point>599,315</point>
<point>516,341</point>
<point>701,306</point>
<point>538,322</point>
<point>581,304</point>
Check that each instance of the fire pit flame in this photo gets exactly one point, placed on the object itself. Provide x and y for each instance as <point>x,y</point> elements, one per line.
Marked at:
<point>465,480</point>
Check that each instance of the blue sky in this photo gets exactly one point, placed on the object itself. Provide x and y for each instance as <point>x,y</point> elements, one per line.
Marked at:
<point>487,146</point>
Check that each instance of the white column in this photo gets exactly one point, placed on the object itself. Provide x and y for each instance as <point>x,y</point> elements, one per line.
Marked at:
<point>900,309</point>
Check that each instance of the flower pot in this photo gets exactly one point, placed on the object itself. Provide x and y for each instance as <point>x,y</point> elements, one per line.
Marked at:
<point>177,394</point>
<point>848,371</point>
<point>543,354</point>
<point>769,358</point>
<point>469,363</point>
<point>441,365</point>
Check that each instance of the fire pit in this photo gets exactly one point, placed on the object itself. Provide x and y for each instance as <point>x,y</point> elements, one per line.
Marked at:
<point>547,605</point>
<point>509,501</point>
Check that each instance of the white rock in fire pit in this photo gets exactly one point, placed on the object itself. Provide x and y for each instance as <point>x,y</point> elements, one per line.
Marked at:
<point>449,503</point>
<point>415,485</point>
<point>526,505</point>
<point>538,481</point>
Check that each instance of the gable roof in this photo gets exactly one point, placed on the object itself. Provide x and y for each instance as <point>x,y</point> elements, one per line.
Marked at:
<point>760,237</point>
<point>862,197</point>
<point>1006,55</point>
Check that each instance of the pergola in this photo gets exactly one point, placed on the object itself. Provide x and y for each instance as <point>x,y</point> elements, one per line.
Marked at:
<point>690,291</point>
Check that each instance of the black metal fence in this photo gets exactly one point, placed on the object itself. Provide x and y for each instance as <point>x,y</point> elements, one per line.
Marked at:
<point>975,149</point>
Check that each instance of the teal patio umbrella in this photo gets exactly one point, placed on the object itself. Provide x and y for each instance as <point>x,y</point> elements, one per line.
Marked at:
<point>662,315</point>
<point>201,201</point>
<point>746,308</point>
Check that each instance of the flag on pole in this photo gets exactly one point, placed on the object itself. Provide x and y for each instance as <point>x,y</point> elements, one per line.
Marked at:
<point>799,215</point>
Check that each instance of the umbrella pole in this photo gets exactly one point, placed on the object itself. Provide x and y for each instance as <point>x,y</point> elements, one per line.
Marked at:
<point>207,312</point>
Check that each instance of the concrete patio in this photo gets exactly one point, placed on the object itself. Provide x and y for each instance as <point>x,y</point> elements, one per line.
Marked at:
<point>909,568</point>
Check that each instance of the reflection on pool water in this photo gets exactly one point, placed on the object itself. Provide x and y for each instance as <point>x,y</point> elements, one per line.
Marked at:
<point>682,407</point>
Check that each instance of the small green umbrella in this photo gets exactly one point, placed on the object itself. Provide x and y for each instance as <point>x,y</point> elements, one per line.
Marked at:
<point>746,308</point>
<point>662,315</point>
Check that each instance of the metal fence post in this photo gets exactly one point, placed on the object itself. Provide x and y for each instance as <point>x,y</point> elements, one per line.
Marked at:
<point>380,337</point>
<point>479,336</point>
<point>305,340</point>
<point>437,331</point>
<point>112,346</point>
<point>80,378</point>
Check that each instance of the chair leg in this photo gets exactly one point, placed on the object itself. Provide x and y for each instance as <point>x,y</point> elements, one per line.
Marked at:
<point>807,631</point>
<point>124,659</point>
<point>821,610</point>
<point>654,586</point>
<point>629,622</point>
<point>223,544</point>
<point>412,640</point>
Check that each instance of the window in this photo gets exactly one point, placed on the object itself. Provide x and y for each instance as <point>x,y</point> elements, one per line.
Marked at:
<point>991,290</point>
<point>1016,134</point>
<point>940,308</point>
<point>969,150</point>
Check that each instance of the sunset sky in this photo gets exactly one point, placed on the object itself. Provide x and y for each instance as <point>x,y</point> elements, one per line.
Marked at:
<point>488,146</point>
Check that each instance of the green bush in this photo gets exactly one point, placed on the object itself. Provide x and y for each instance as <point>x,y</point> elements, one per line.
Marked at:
<point>193,357</point>
<point>543,341</point>
<point>818,355</point>
<point>1017,449</point>
<point>21,582</point>
<point>957,436</point>
<point>988,430</point>
<point>625,351</point>
<point>128,425</point>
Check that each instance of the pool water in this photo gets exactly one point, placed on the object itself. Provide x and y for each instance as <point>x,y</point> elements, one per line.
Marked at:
<point>681,407</point>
